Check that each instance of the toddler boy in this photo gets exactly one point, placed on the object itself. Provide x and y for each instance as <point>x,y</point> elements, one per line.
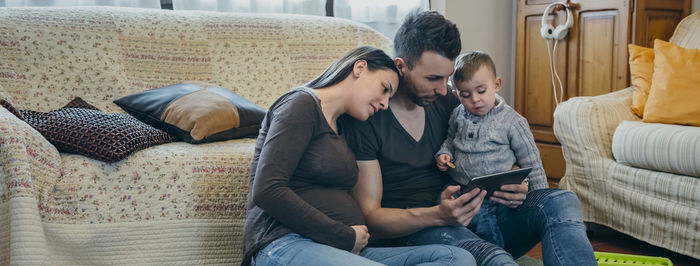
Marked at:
<point>486,136</point>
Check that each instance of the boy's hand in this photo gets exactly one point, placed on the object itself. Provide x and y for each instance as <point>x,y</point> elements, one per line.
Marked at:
<point>443,161</point>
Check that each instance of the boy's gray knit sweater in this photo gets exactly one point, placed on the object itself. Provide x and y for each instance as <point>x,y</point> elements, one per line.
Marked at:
<point>492,143</point>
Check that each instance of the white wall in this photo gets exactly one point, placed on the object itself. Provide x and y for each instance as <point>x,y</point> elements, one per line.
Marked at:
<point>695,6</point>
<point>488,26</point>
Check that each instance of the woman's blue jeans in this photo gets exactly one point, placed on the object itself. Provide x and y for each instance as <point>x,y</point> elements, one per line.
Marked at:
<point>552,216</point>
<point>293,249</point>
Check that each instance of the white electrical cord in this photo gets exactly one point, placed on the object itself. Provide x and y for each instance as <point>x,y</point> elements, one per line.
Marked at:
<point>553,71</point>
<point>556,73</point>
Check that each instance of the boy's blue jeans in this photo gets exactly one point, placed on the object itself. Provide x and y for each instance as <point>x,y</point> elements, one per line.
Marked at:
<point>293,249</point>
<point>552,216</point>
<point>485,223</point>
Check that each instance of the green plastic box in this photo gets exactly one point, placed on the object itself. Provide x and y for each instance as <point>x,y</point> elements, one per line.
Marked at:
<point>615,259</point>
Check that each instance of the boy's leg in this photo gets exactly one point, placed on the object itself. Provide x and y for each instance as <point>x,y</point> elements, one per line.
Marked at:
<point>427,255</point>
<point>293,249</point>
<point>554,217</point>
<point>485,223</point>
<point>484,252</point>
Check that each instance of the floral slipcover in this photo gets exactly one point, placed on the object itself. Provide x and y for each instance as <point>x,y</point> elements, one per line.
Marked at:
<point>170,204</point>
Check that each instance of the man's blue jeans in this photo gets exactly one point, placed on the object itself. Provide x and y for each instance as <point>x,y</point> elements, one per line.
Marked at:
<point>293,249</point>
<point>552,216</point>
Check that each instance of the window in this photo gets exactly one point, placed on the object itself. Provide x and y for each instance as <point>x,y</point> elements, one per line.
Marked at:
<point>384,16</point>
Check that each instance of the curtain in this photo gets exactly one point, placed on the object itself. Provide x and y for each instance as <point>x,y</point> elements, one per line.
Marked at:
<point>126,3</point>
<point>384,16</point>
<point>307,7</point>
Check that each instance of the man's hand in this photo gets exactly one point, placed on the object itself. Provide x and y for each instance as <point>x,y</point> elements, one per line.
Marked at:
<point>442,161</point>
<point>511,195</point>
<point>361,238</point>
<point>459,211</point>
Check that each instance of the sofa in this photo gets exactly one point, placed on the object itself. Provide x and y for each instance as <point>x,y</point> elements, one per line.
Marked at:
<point>175,203</point>
<point>641,179</point>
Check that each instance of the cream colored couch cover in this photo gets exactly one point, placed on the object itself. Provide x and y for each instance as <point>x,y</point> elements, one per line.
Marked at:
<point>657,207</point>
<point>170,204</point>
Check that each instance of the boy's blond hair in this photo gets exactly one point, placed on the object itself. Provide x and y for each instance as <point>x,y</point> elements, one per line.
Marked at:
<point>468,63</point>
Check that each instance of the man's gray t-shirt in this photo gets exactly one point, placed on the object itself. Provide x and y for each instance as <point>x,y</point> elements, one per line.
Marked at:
<point>410,177</point>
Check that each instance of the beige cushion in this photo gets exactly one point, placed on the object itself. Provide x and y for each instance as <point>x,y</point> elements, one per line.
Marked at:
<point>261,56</point>
<point>669,148</point>
<point>4,95</point>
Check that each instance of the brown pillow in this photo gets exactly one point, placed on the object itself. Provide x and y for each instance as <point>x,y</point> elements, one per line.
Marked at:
<point>195,112</point>
<point>81,128</point>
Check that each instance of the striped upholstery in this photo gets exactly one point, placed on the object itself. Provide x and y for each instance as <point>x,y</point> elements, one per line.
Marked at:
<point>655,206</point>
<point>669,148</point>
<point>170,204</point>
<point>687,33</point>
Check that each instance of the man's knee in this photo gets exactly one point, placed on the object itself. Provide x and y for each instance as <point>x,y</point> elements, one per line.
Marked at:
<point>487,253</point>
<point>456,256</point>
<point>561,205</point>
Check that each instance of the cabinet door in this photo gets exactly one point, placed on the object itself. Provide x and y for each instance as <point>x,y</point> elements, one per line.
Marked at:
<point>591,60</point>
<point>598,48</point>
<point>657,19</point>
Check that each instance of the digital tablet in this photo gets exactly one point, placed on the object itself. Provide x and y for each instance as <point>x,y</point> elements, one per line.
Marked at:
<point>493,182</point>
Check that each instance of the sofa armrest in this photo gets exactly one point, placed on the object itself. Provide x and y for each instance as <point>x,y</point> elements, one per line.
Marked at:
<point>585,125</point>
<point>29,164</point>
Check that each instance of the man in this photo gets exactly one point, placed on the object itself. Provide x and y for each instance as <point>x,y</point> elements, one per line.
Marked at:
<point>399,182</point>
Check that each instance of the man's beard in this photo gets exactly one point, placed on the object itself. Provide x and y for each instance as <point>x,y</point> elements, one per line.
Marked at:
<point>412,93</point>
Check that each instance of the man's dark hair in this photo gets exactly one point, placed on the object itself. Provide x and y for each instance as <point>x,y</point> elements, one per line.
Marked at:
<point>426,31</point>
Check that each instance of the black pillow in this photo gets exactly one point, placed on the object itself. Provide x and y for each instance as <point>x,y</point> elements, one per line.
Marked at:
<point>195,112</point>
<point>81,128</point>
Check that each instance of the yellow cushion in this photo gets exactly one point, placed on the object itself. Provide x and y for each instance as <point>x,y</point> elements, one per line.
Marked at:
<point>641,68</point>
<point>675,86</point>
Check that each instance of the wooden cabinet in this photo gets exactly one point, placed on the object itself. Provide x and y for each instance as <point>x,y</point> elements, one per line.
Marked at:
<point>591,60</point>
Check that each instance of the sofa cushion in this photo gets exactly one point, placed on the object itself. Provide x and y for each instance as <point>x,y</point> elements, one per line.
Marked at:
<point>662,147</point>
<point>195,112</point>
<point>674,93</point>
<point>8,105</point>
<point>641,62</point>
<point>81,128</point>
<point>4,95</point>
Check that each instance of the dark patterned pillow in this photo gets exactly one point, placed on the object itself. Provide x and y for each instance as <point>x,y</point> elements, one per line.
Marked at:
<point>81,128</point>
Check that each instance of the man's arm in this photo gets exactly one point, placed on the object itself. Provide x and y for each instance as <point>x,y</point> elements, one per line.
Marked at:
<point>392,222</point>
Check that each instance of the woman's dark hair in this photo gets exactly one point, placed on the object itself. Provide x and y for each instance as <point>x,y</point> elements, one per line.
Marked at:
<point>340,69</point>
<point>426,31</point>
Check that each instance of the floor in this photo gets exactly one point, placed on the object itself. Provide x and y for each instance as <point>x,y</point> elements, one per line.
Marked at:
<point>608,240</point>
